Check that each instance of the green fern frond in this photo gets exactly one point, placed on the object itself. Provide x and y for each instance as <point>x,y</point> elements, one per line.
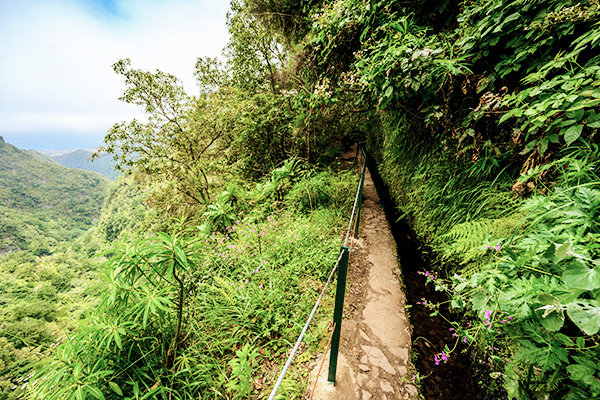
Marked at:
<point>521,3</point>
<point>224,290</point>
<point>469,241</point>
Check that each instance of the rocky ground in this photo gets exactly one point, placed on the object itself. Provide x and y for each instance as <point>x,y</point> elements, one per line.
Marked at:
<point>374,360</point>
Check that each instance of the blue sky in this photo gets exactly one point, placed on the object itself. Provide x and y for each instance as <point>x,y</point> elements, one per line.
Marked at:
<point>57,88</point>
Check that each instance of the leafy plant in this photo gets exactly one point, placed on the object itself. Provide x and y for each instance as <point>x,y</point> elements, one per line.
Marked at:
<point>240,382</point>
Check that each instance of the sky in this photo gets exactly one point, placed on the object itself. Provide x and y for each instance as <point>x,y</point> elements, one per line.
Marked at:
<point>57,87</point>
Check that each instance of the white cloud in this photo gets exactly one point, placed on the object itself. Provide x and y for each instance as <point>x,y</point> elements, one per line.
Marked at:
<point>56,57</point>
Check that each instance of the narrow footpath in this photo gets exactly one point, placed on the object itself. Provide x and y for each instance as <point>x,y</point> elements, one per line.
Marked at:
<point>375,340</point>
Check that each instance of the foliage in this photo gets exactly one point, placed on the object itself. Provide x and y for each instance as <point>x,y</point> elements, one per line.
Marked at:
<point>468,109</point>
<point>44,203</point>
<point>482,118</point>
<point>171,146</point>
<point>183,315</point>
<point>472,83</point>
<point>45,288</point>
<point>538,293</point>
<point>241,371</point>
<point>253,55</point>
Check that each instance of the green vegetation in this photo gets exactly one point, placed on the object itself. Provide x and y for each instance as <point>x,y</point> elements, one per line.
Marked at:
<point>482,118</point>
<point>82,159</point>
<point>42,203</point>
<point>188,315</point>
<point>49,261</point>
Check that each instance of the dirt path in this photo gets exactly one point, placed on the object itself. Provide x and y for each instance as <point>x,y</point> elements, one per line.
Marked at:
<point>375,341</point>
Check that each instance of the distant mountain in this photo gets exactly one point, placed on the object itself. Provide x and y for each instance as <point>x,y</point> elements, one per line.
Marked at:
<point>81,159</point>
<point>43,202</point>
<point>54,153</point>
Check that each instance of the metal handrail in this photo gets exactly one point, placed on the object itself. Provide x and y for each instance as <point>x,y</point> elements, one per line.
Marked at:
<point>291,356</point>
<point>344,252</point>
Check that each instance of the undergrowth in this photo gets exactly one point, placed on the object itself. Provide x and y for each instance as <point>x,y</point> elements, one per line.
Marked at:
<point>210,313</point>
<point>522,273</point>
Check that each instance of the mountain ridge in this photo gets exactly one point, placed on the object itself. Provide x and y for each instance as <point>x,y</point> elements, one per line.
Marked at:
<point>42,201</point>
<point>82,159</point>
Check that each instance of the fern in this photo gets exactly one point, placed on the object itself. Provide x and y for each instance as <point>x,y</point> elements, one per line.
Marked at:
<point>468,241</point>
<point>546,357</point>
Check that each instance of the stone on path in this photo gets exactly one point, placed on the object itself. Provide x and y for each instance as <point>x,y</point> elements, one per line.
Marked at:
<point>373,362</point>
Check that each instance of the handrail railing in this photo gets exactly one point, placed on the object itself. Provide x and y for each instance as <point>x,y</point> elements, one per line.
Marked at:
<point>291,356</point>
<point>342,267</point>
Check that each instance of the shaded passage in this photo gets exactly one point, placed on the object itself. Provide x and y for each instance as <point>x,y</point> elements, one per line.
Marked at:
<point>374,358</point>
<point>449,380</point>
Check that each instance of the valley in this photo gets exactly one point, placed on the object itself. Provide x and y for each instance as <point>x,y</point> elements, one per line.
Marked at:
<point>55,222</point>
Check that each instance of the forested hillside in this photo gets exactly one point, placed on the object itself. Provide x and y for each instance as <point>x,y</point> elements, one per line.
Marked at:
<point>82,159</point>
<point>48,286</point>
<point>482,118</point>
<point>42,203</point>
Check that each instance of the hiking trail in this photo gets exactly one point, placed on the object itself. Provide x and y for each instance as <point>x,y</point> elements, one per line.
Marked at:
<point>373,361</point>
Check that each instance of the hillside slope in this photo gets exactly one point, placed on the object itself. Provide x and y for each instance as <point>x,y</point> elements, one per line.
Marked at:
<point>81,159</point>
<point>42,201</point>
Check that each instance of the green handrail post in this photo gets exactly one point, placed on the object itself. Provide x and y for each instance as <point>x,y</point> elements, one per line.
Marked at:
<point>359,204</point>
<point>338,313</point>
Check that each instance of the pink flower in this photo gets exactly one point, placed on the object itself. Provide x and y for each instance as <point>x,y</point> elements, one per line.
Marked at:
<point>440,357</point>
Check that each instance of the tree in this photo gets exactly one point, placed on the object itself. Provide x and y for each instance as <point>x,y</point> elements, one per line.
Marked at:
<point>173,148</point>
<point>254,55</point>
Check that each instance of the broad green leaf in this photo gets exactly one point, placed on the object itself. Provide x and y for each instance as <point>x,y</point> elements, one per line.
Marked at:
<point>579,372</point>
<point>543,145</point>
<point>552,317</point>
<point>551,314</point>
<point>181,257</point>
<point>547,299</point>
<point>528,147</point>
<point>550,253</point>
<point>388,91</point>
<point>457,303</point>
<point>563,250</point>
<point>577,115</point>
<point>580,342</point>
<point>593,119</point>
<point>571,133</point>
<point>578,276</point>
<point>568,122</point>
<point>479,301</point>
<point>585,315</point>
<point>94,391</point>
<point>510,114</point>
<point>512,17</point>
<point>117,339</point>
<point>115,388</point>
